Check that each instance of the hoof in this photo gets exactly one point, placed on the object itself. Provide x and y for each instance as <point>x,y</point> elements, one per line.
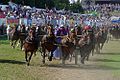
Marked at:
<point>50,59</point>
<point>13,47</point>
<point>28,64</point>
<point>87,59</point>
<point>23,49</point>
<point>34,54</point>
<point>82,62</point>
<point>43,61</point>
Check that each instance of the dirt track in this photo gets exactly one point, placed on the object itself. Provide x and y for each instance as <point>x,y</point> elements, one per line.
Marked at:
<point>92,70</point>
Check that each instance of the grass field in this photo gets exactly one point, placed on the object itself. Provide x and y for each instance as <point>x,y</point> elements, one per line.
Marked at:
<point>111,56</point>
<point>13,67</point>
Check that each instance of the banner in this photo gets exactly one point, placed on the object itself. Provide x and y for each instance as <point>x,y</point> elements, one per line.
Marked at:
<point>12,21</point>
<point>2,16</point>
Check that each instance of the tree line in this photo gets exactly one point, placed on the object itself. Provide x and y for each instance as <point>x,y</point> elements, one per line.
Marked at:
<point>58,4</point>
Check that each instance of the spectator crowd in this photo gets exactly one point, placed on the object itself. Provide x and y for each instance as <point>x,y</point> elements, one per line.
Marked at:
<point>57,18</point>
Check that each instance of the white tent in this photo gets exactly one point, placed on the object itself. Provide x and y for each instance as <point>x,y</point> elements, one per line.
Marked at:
<point>114,18</point>
<point>4,7</point>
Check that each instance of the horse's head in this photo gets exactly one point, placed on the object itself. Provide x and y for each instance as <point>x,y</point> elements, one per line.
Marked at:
<point>22,28</point>
<point>85,39</point>
<point>50,31</point>
<point>32,33</point>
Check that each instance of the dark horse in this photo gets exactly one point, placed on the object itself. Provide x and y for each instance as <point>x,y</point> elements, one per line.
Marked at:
<point>48,44</point>
<point>101,38</point>
<point>14,36</point>
<point>22,35</point>
<point>86,46</point>
<point>30,45</point>
<point>68,45</point>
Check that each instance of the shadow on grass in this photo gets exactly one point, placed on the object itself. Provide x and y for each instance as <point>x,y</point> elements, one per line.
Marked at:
<point>105,60</point>
<point>11,61</point>
<point>109,54</point>
<point>86,67</point>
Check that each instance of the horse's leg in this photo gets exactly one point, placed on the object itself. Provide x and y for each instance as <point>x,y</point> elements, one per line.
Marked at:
<point>83,58</point>
<point>26,56</point>
<point>107,39</point>
<point>14,43</point>
<point>63,61</point>
<point>50,56</point>
<point>63,58</point>
<point>81,54</point>
<point>29,59</point>
<point>21,44</point>
<point>92,52</point>
<point>71,57</point>
<point>40,50</point>
<point>11,43</point>
<point>44,54</point>
<point>101,46</point>
<point>18,43</point>
<point>97,48</point>
<point>88,55</point>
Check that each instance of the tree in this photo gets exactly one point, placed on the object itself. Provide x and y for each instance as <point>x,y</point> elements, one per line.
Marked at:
<point>50,4</point>
<point>5,1</point>
<point>61,4</point>
<point>76,7</point>
<point>40,3</point>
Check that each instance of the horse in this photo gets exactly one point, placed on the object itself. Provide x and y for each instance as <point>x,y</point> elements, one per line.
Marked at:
<point>101,38</point>
<point>30,45</point>
<point>18,35</point>
<point>48,44</point>
<point>68,45</point>
<point>22,35</point>
<point>114,31</point>
<point>85,46</point>
<point>40,34</point>
<point>14,36</point>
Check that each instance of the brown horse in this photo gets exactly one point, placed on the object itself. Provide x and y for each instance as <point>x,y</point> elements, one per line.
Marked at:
<point>68,45</point>
<point>48,44</point>
<point>30,45</point>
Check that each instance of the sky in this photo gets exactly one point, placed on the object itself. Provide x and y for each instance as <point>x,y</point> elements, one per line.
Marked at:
<point>71,1</point>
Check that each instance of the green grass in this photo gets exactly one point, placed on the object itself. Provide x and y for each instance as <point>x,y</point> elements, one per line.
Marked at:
<point>111,56</point>
<point>13,67</point>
